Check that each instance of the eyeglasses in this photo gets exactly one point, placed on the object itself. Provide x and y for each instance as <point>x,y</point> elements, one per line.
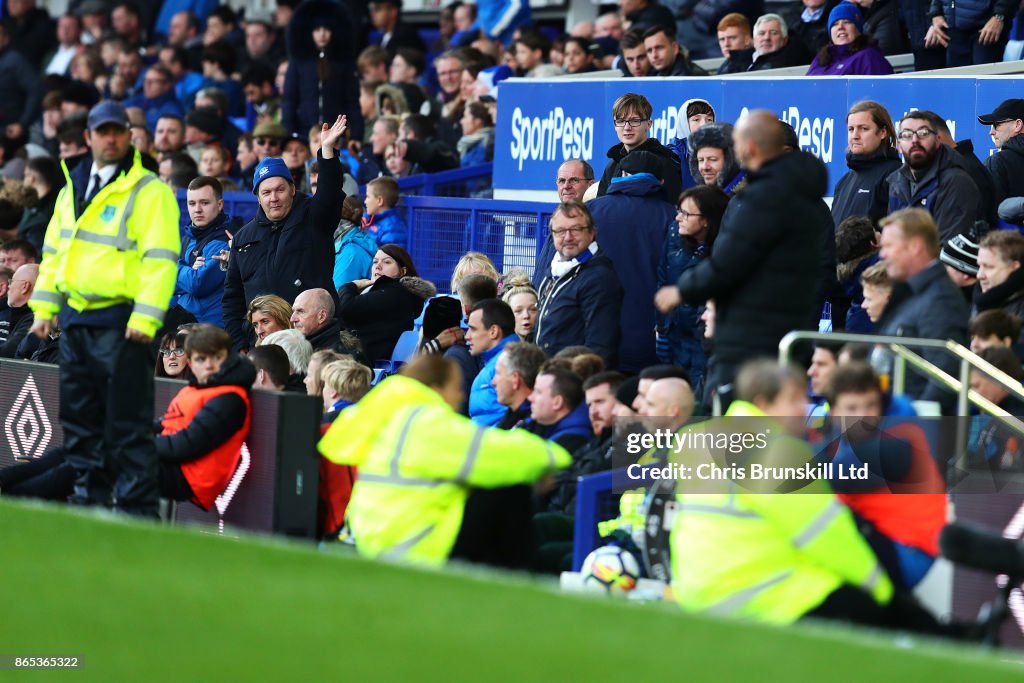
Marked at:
<point>446,74</point>
<point>921,134</point>
<point>267,142</point>
<point>687,215</point>
<point>167,353</point>
<point>572,230</point>
<point>570,181</point>
<point>629,123</point>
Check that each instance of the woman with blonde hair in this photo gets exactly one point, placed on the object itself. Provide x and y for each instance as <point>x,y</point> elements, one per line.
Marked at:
<point>269,313</point>
<point>520,295</point>
<point>473,262</point>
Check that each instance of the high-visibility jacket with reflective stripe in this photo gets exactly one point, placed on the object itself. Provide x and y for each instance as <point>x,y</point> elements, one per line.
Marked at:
<point>123,248</point>
<point>768,557</point>
<point>417,460</point>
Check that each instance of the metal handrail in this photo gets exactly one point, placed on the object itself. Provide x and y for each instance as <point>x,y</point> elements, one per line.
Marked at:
<point>901,348</point>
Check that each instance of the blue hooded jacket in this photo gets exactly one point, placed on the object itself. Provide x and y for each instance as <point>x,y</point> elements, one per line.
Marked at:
<point>484,408</point>
<point>199,291</point>
<point>353,256</point>
<point>575,424</point>
<point>632,221</point>
<point>387,227</point>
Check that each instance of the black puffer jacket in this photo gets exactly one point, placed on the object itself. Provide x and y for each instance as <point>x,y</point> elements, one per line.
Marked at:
<point>284,258</point>
<point>863,190</point>
<point>317,90</point>
<point>671,170</point>
<point>1007,169</point>
<point>945,190</point>
<point>761,273</point>
<point>882,22</point>
<point>378,317</point>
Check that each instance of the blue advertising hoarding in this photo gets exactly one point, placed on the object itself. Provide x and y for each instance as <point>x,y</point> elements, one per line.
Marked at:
<point>542,123</point>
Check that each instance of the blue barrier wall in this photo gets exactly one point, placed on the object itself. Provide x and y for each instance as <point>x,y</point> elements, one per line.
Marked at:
<point>542,123</point>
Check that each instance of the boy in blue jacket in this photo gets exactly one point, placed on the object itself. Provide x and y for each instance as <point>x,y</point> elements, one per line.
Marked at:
<point>381,219</point>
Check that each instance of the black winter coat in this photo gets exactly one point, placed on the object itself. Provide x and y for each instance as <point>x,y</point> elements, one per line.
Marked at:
<point>882,22</point>
<point>32,227</point>
<point>708,13</point>
<point>863,190</point>
<point>317,90</point>
<point>945,190</point>
<point>809,36</point>
<point>1007,169</point>
<point>652,15</point>
<point>793,54</point>
<point>284,258</point>
<point>581,308</point>
<point>380,316</point>
<point>327,337</point>
<point>987,205</point>
<point>737,62</point>
<point>761,272</point>
<point>671,170</point>
<point>928,305</point>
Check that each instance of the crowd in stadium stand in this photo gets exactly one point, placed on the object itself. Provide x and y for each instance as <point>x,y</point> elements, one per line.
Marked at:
<point>666,276</point>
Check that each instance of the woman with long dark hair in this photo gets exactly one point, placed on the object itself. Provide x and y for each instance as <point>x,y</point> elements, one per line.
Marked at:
<point>379,309</point>
<point>850,51</point>
<point>321,81</point>
<point>680,340</point>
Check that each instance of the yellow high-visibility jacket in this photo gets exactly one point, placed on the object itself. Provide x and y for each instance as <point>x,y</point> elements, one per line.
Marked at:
<point>417,460</point>
<point>768,557</point>
<point>123,248</point>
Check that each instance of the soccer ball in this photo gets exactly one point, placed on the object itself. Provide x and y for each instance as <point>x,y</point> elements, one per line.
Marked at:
<point>610,569</point>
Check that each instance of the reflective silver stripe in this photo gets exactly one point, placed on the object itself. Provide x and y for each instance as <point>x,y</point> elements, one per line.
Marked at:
<point>717,510</point>
<point>47,249</point>
<point>551,456</point>
<point>815,528</point>
<point>101,297</point>
<point>96,238</point>
<point>404,547</point>
<point>471,455</point>
<point>162,254</point>
<point>122,233</point>
<point>66,232</point>
<point>403,435</point>
<point>873,578</point>
<point>151,311</point>
<point>738,600</point>
<point>398,481</point>
<point>49,297</point>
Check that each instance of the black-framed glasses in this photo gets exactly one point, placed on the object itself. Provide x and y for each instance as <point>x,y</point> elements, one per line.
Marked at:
<point>572,230</point>
<point>687,215</point>
<point>177,353</point>
<point>265,142</point>
<point>920,134</point>
<point>631,123</point>
<point>570,181</point>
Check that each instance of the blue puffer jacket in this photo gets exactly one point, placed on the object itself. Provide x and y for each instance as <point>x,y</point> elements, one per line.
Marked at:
<point>353,256</point>
<point>680,329</point>
<point>199,291</point>
<point>387,227</point>
<point>484,408</point>
<point>971,14</point>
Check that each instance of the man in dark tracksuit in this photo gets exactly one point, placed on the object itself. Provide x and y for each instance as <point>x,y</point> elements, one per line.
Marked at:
<point>289,246</point>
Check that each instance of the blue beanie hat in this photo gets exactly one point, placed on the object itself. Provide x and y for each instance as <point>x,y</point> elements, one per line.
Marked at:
<point>848,11</point>
<point>269,168</point>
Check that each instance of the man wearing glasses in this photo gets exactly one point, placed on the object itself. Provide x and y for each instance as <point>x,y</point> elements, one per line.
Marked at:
<point>580,294</point>
<point>573,179</point>
<point>1007,164</point>
<point>631,115</point>
<point>932,177</point>
<point>267,139</point>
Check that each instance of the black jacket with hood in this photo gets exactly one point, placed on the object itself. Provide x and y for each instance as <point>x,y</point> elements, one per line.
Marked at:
<point>760,273</point>
<point>1007,169</point>
<point>379,316</point>
<point>321,85</point>
<point>945,190</point>
<point>671,169</point>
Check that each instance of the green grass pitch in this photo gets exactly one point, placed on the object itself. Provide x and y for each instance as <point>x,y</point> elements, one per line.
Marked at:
<point>146,603</point>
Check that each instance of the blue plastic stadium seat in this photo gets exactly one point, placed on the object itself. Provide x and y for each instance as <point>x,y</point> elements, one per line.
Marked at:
<point>405,347</point>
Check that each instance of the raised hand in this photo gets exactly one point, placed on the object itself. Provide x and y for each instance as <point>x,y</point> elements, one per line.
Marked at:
<point>331,135</point>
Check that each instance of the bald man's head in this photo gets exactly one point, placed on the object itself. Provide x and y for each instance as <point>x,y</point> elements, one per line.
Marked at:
<point>669,397</point>
<point>22,284</point>
<point>758,137</point>
<point>313,309</point>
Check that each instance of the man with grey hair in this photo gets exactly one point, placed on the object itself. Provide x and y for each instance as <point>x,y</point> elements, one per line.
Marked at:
<point>514,376</point>
<point>772,49</point>
<point>313,315</point>
<point>19,291</point>
<point>573,178</point>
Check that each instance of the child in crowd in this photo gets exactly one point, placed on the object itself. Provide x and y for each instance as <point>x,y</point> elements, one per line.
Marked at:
<point>877,288</point>
<point>215,161</point>
<point>381,219</point>
<point>994,327</point>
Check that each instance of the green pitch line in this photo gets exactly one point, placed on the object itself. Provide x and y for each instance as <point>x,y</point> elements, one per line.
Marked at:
<point>146,603</point>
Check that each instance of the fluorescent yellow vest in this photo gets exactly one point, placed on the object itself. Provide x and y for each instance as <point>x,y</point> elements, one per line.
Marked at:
<point>123,248</point>
<point>768,557</point>
<point>417,460</point>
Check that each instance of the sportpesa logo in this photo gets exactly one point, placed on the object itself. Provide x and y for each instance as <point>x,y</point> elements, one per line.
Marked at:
<point>551,137</point>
